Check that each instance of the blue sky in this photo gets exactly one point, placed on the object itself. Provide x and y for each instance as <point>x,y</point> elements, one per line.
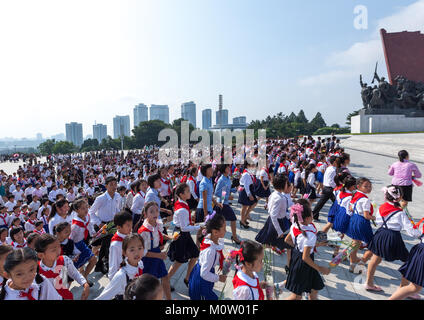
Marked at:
<point>88,61</point>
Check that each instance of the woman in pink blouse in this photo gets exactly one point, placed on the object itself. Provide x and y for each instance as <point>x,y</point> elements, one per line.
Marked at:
<point>403,173</point>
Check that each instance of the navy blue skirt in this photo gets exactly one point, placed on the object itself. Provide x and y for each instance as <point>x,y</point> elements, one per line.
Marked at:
<point>85,254</point>
<point>244,199</point>
<point>261,192</point>
<point>183,249</point>
<point>154,266</point>
<point>227,212</point>
<point>320,177</point>
<point>302,278</point>
<point>388,244</point>
<point>291,177</point>
<point>332,212</point>
<point>310,191</point>
<point>341,220</point>
<point>199,288</point>
<point>268,234</point>
<point>413,269</point>
<point>359,229</point>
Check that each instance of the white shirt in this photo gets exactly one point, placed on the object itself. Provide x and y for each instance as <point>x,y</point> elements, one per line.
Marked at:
<point>181,220</point>
<point>115,255</point>
<point>104,208</point>
<point>146,235</point>
<point>362,205</point>
<point>245,292</point>
<point>191,184</point>
<point>398,222</point>
<point>302,241</point>
<point>119,281</point>
<point>246,180</point>
<point>30,226</point>
<point>70,269</point>
<point>77,232</point>
<point>9,205</point>
<point>138,202</point>
<point>52,195</point>
<point>278,206</point>
<point>329,176</point>
<point>209,258</point>
<point>40,210</point>
<point>18,194</point>
<point>47,292</point>
<point>34,206</point>
<point>58,219</point>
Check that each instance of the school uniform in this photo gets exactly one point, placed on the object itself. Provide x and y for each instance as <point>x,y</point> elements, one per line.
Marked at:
<point>413,269</point>
<point>194,200</point>
<point>10,205</point>
<point>277,223</point>
<point>58,219</point>
<point>60,270</point>
<point>247,288</point>
<point>115,253</point>
<point>81,229</point>
<point>68,248</point>
<point>359,227</point>
<point>342,216</point>
<point>205,185</point>
<point>247,182</point>
<point>183,249</point>
<point>260,191</point>
<point>335,206</point>
<point>30,225</point>
<point>153,240</point>
<point>302,277</point>
<point>116,288</point>
<point>4,218</point>
<point>137,206</point>
<point>224,185</point>
<point>310,185</point>
<point>321,166</point>
<point>16,245</point>
<point>387,242</point>
<point>203,276</point>
<point>42,291</point>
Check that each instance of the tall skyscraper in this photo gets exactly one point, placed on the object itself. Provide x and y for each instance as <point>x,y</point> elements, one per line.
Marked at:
<point>239,120</point>
<point>74,133</point>
<point>188,112</point>
<point>159,112</point>
<point>141,114</point>
<point>206,119</point>
<point>99,132</point>
<point>224,114</point>
<point>121,126</point>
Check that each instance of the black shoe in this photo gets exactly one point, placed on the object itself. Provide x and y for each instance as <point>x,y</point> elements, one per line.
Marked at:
<point>90,283</point>
<point>186,282</point>
<point>172,289</point>
<point>245,226</point>
<point>286,268</point>
<point>237,242</point>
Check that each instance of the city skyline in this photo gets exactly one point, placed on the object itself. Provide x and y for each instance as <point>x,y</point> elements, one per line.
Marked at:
<point>262,58</point>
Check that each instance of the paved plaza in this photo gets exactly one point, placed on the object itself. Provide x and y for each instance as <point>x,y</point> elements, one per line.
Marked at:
<point>339,284</point>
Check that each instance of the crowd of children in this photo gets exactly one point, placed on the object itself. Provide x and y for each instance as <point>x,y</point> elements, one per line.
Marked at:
<point>125,215</point>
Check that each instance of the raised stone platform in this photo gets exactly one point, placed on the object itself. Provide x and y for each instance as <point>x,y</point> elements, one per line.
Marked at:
<point>377,123</point>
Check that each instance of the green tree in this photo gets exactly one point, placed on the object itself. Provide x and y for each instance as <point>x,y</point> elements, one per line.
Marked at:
<point>46,147</point>
<point>90,145</point>
<point>64,147</point>
<point>292,118</point>
<point>147,133</point>
<point>301,118</point>
<point>318,122</point>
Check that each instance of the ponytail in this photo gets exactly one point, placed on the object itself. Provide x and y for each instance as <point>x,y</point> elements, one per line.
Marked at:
<point>3,289</point>
<point>403,154</point>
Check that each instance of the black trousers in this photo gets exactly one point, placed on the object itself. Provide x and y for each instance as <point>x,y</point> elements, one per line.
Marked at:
<point>327,193</point>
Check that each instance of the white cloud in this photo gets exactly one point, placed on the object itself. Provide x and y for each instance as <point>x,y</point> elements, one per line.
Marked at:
<point>361,55</point>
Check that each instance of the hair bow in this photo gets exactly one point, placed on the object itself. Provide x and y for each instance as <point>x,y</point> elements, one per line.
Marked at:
<point>296,210</point>
<point>210,216</point>
<point>238,253</point>
<point>392,191</point>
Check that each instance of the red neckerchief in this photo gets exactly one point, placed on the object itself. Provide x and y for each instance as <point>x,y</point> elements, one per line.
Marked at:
<point>237,282</point>
<point>116,238</point>
<point>267,172</point>
<point>359,195</point>
<point>338,187</point>
<point>23,294</point>
<point>145,229</point>
<point>168,183</point>
<point>204,245</point>
<point>195,184</point>
<point>143,196</point>
<point>49,274</point>
<point>3,217</point>
<point>139,272</point>
<point>184,179</point>
<point>297,232</point>
<point>82,225</point>
<point>17,245</point>
<point>39,232</point>
<point>31,222</point>
<point>387,208</point>
<point>251,176</point>
<point>178,205</point>
<point>344,195</point>
<point>133,193</point>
